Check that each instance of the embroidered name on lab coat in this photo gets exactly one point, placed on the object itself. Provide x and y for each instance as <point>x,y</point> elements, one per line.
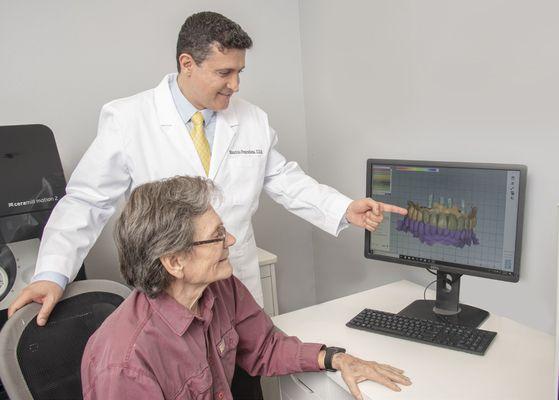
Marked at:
<point>256,151</point>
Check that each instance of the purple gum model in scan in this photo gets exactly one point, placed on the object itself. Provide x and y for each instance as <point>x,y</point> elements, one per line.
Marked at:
<point>437,223</point>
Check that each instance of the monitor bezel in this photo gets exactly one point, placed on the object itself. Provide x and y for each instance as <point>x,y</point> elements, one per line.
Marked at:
<point>514,276</point>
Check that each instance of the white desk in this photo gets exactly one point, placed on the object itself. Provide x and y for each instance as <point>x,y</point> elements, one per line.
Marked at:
<point>519,364</point>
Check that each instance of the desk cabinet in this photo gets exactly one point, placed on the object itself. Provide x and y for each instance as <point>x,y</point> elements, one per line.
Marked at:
<point>311,386</point>
<point>267,263</point>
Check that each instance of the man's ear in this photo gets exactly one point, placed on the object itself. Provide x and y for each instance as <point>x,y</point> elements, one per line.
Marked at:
<point>186,63</point>
<point>173,264</point>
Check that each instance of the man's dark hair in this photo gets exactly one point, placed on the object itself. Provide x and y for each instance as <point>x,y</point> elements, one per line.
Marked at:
<point>202,30</point>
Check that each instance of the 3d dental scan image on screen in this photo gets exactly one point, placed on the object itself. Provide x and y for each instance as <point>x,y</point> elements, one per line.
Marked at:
<point>455,215</point>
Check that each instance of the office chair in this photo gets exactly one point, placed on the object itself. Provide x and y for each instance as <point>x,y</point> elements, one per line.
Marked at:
<point>44,362</point>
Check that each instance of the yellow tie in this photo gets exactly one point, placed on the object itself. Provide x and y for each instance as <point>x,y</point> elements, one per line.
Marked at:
<point>200,142</point>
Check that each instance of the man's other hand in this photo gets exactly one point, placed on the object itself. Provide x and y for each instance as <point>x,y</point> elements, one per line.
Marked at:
<point>46,293</point>
<point>368,213</point>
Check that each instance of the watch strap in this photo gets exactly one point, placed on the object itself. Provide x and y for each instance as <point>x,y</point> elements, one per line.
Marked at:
<point>330,351</point>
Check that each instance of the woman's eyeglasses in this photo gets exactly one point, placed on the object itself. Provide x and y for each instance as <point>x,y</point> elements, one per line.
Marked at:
<point>222,236</point>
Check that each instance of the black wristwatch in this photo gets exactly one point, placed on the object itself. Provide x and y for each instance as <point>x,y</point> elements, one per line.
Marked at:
<point>330,351</point>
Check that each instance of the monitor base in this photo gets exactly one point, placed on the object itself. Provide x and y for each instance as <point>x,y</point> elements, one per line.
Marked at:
<point>468,315</point>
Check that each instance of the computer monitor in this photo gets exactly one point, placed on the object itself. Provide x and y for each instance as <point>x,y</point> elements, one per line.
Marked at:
<point>463,219</point>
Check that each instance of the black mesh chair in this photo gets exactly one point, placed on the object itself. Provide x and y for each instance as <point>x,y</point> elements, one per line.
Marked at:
<point>44,362</point>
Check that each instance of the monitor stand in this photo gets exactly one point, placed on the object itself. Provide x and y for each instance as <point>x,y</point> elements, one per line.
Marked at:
<point>446,307</point>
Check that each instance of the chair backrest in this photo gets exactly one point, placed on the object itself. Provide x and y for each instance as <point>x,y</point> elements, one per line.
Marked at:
<point>44,362</point>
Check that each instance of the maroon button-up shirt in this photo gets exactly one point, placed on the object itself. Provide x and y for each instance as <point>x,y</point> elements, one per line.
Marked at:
<point>157,349</point>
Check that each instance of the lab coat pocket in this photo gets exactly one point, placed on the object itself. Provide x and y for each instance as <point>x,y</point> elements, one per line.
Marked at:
<point>245,178</point>
<point>227,350</point>
<point>244,161</point>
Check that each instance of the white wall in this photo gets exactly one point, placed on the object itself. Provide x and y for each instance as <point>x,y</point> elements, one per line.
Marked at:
<point>436,80</point>
<point>61,60</point>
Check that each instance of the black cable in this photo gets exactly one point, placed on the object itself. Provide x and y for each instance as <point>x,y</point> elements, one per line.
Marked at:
<point>427,287</point>
<point>431,272</point>
<point>439,317</point>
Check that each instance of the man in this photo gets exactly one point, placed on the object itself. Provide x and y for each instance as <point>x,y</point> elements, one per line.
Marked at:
<point>188,125</point>
<point>180,332</point>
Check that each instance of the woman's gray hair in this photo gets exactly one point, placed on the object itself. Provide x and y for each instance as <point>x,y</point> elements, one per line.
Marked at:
<point>158,220</point>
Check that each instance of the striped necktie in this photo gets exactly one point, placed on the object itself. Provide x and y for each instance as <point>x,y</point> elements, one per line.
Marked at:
<point>200,142</point>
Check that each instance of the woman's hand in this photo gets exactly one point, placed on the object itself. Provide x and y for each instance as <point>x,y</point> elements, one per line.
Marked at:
<point>354,370</point>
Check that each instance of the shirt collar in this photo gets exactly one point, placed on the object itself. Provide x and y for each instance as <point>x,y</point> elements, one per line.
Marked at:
<point>178,317</point>
<point>185,109</point>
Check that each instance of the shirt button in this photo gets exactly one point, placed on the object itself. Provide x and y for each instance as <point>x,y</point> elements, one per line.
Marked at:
<point>220,395</point>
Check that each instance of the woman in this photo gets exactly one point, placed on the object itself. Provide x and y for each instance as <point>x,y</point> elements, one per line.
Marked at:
<point>188,321</point>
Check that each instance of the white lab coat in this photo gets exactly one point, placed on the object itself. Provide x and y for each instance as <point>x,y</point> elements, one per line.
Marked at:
<point>142,138</point>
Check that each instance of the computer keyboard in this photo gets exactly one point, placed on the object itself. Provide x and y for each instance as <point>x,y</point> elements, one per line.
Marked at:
<point>455,337</point>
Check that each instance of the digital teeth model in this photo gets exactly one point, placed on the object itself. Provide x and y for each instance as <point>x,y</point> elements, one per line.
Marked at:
<point>448,225</point>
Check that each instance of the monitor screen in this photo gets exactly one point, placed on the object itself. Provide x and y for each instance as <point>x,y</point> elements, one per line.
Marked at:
<point>462,217</point>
